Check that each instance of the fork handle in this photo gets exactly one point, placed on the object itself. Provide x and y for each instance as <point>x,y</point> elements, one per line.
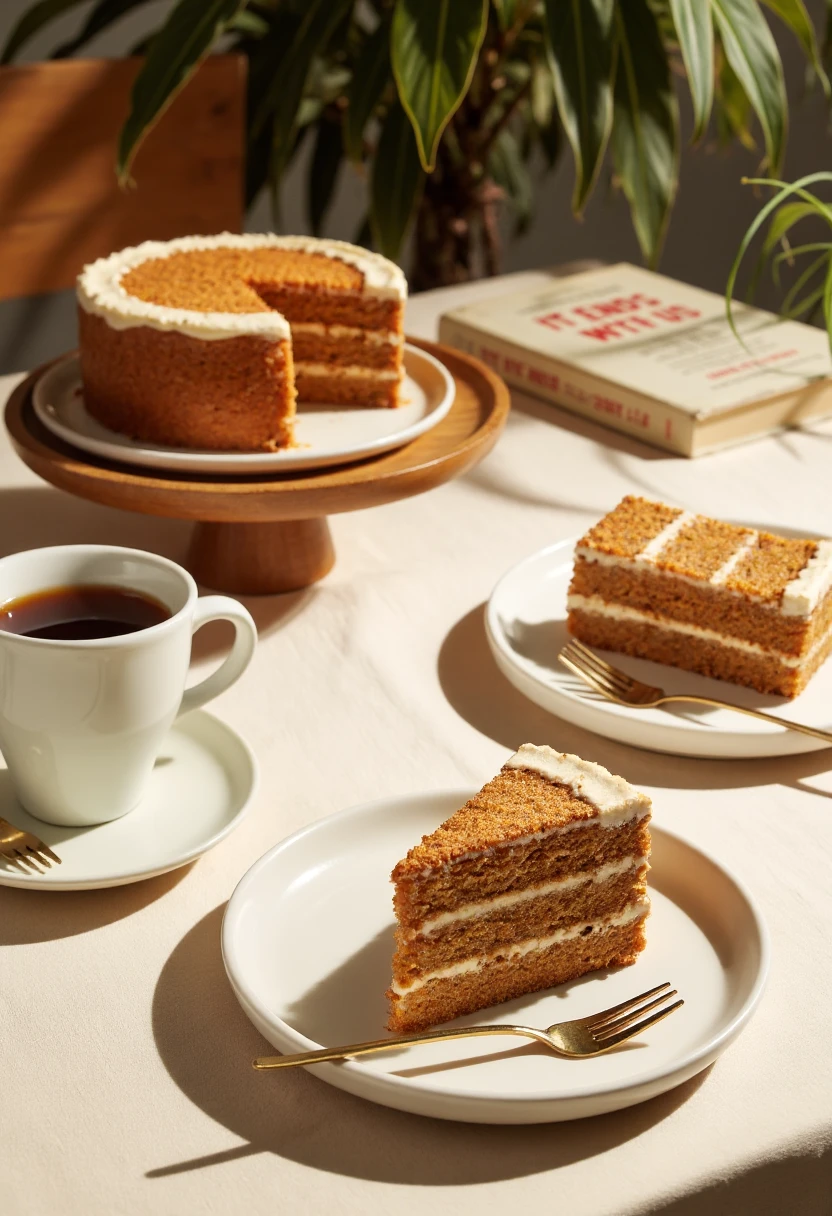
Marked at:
<point>408,1040</point>
<point>752,713</point>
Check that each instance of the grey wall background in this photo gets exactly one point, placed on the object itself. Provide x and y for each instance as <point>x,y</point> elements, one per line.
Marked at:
<point>712,210</point>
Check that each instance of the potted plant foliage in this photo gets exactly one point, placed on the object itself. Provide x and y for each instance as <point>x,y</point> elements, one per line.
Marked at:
<point>445,104</point>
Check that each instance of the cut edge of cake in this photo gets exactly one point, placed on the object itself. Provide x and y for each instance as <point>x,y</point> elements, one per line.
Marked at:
<point>728,601</point>
<point>538,879</point>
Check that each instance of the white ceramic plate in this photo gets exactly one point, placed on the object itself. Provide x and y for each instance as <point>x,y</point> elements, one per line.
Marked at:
<point>526,628</point>
<point>326,434</point>
<point>308,937</point>
<point>200,790</point>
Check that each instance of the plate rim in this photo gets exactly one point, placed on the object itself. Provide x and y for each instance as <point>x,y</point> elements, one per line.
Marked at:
<point>239,463</point>
<point>674,737</point>
<point>126,877</point>
<point>395,1086</point>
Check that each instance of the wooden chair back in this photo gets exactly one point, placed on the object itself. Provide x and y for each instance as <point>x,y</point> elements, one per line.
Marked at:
<point>60,204</point>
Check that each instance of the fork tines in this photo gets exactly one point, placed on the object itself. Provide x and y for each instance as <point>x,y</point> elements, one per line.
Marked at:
<point>27,853</point>
<point>606,679</point>
<point>621,1022</point>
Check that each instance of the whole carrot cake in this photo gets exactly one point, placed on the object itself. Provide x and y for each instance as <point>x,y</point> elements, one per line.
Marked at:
<point>538,879</point>
<point>729,602</point>
<point>207,342</point>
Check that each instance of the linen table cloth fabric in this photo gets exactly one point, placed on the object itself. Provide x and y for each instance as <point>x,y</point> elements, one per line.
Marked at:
<point>124,1057</point>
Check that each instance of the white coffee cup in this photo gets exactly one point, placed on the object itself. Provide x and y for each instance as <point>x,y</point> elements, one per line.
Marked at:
<point>83,722</point>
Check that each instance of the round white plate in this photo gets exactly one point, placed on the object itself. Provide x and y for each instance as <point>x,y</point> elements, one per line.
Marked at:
<point>307,941</point>
<point>326,434</point>
<point>200,789</point>
<point>526,628</point>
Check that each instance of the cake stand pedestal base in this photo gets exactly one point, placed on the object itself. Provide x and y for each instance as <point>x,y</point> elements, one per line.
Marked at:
<point>261,558</point>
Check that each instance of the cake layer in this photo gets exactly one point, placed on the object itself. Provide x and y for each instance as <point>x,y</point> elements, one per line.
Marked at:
<point>528,967</point>
<point>679,599</point>
<point>346,386</point>
<point>516,867</point>
<point>342,345</point>
<point>324,308</point>
<point>166,387</point>
<point>536,912</point>
<point>538,791</point>
<point>707,656</point>
<point>791,576</point>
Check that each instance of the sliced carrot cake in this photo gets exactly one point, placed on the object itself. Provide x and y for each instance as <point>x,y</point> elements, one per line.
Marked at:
<point>730,602</point>
<point>538,879</point>
<point>205,342</point>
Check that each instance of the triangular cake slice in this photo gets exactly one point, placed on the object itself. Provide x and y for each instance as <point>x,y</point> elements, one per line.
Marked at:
<point>538,879</point>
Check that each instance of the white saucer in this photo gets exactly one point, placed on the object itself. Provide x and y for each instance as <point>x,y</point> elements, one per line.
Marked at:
<point>526,628</point>
<point>326,434</point>
<point>307,940</point>
<point>200,790</point>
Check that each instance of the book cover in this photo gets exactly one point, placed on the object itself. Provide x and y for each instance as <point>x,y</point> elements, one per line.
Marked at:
<point>651,357</point>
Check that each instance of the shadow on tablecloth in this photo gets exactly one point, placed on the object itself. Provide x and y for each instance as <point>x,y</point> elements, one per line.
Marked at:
<point>479,692</point>
<point>206,1043</point>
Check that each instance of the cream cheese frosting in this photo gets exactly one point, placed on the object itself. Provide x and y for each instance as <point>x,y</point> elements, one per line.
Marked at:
<point>615,799</point>
<point>100,292</point>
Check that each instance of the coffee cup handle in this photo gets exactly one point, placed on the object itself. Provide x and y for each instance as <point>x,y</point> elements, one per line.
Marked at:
<point>221,608</point>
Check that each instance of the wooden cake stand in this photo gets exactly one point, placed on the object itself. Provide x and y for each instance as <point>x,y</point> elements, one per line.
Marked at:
<point>258,534</point>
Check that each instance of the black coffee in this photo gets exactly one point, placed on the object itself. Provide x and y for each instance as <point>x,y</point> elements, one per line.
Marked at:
<point>70,614</point>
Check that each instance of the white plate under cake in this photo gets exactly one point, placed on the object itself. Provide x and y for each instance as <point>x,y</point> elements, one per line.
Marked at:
<point>526,627</point>
<point>326,435</point>
<point>308,935</point>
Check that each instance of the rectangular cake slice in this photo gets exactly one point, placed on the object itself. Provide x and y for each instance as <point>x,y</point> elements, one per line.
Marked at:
<point>729,602</point>
<point>538,879</point>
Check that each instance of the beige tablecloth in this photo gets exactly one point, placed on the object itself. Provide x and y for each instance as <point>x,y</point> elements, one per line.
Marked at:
<point>124,1077</point>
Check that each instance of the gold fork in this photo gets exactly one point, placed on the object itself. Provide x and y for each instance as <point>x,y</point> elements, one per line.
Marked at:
<point>24,850</point>
<point>616,685</point>
<point>590,1036</point>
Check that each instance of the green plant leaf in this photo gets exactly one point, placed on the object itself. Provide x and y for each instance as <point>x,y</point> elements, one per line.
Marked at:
<point>327,156</point>
<point>192,28</point>
<point>695,32</point>
<point>372,72</point>
<point>733,109</point>
<point>794,14</point>
<point>396,184</point>
<point>105,13</point>
<point>581,44</point>
<point>433,49</point>
<point>784,190</point>
<point>281,102</point>
<point>751,51</point>
<point>789,308</point>
<point>508,169</point>
<point>33,20</point>
<point>645,133</point>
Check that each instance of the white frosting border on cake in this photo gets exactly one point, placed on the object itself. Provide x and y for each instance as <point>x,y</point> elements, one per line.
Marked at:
<point>803,594</point>
<point>614,798</point>
<point>635,911</point>
<point>511,898</point>
<point>100,292</point>
<point>800,597</point>
<point>619,612</point>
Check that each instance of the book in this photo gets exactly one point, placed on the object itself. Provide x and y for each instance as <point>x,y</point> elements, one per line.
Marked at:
<point>651,357</point>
